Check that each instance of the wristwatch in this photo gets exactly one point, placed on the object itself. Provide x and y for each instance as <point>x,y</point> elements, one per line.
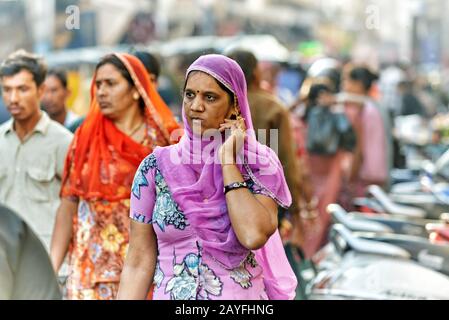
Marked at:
<point>235,185</point>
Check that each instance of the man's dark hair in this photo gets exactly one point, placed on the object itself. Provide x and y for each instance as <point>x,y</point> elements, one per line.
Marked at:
<point>23,60</point>
<point>61,74</point>
<point>247,61</point>
<point>150,62</point>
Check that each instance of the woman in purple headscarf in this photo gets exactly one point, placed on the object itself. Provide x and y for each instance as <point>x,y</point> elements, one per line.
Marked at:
<point>204,211</point>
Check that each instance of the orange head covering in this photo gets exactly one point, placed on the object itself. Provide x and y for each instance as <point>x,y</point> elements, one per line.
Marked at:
<point>102,160</point>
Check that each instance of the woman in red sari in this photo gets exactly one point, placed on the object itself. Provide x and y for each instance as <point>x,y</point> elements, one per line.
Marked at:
<point>126,121</point>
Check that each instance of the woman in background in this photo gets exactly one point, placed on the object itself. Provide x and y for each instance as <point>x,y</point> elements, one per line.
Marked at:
<point>370,162</point>
<point>126,121</point>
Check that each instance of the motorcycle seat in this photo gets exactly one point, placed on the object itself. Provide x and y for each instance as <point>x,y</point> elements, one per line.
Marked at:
<point>354,224</point>
<point>366,246</point>
<point>394,208</point>
<point>435,256</point>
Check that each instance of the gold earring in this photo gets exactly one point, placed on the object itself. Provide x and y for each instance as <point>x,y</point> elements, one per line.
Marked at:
<point>136,96</point>
<point>238,115</point>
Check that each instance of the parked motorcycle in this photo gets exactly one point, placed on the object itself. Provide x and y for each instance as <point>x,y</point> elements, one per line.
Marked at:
<point>351,267</point>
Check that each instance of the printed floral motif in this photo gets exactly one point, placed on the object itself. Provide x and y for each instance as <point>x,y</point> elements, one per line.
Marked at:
<point>182,287</point>
<point>103,207</point>
<point>241,275</point>
<point>83,212</point>
<point>105,292</point>
<point>124,250</point>
<point>140,180</point>
<point>251,260</point>
<point>88,294</point>
<point>112,238</point>
<point>166,210</point>
<point>158,276</point>
<point>95,252</point>
<point>209,283</point>
<point>141,218</point>
<point>193,280</point>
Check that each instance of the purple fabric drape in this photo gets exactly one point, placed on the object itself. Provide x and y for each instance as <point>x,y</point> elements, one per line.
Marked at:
<point>195,180</point>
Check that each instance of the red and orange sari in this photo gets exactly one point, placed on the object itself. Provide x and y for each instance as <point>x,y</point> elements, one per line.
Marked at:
<point>99,171</point>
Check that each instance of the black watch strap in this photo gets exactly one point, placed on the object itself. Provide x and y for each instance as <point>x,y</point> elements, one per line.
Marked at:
<point>235,185</point>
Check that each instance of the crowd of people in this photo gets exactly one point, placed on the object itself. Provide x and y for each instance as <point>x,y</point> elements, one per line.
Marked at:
<point>126,202</point>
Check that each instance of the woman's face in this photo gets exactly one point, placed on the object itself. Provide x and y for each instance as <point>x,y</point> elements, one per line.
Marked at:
<point>204,101</point>
<point>114,94</point>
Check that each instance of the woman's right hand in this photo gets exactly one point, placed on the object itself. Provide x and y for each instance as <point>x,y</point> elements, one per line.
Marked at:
<point>234,143</point>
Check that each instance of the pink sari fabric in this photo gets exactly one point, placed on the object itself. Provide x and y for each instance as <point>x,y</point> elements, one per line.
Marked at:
<point>372,138</point>
<point>374,166</point>
<point>198,187</point>
<point>327,187</point>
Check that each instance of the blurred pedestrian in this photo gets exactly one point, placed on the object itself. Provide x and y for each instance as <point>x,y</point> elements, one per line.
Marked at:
<point>268,113</point>
<point>126,121</point>
<point>26,272</point>
<point>152,65</point>
<point>325,169</point>
<point>197,227</point>
<point>4,114</point>
<point>55,97</point>
<point>372,159</point>
<point>32,146</point>
<point>389,79</point>
<point>410,104</point>
<point>162,82</point>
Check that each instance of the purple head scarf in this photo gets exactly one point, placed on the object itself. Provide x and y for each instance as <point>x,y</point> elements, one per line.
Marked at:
<point>198,187</point>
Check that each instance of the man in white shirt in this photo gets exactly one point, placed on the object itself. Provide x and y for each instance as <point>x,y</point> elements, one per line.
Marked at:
<point>32,146</point>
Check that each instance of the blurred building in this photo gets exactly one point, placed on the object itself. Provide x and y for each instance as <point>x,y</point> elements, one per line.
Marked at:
<point>373,30</point>
<point>13,22</point>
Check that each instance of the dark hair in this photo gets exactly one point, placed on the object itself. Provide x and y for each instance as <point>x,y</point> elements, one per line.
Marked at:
<point>61,74</point>
<point>118,64</point>
<point>315,91</point>
<point>222,86</point>
<point>247,61</point>
<point>227,90</point>
<point>364,75</point>
<point>23,60</point>
<point>150,62</point>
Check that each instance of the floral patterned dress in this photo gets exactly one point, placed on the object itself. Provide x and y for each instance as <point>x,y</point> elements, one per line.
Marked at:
<point>100,234</point>
<point>184,271</point>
